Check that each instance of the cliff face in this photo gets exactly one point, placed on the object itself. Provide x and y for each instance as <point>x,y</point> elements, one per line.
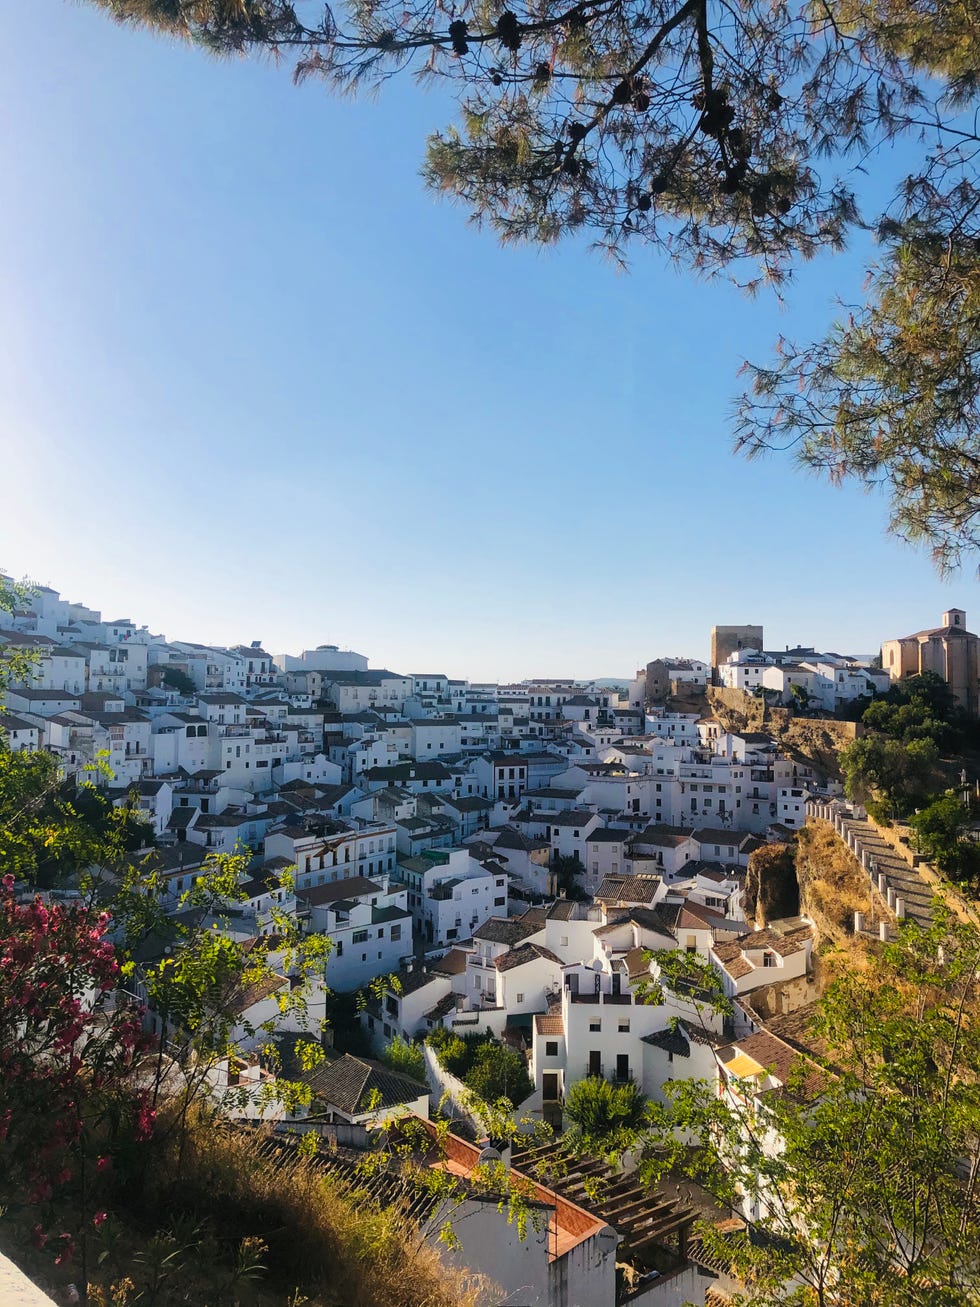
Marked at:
<point>818,877</point>
<point>771,889</point>
<point>813,741</point>
<point>832,883</point>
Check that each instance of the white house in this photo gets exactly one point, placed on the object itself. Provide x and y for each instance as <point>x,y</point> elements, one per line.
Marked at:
<point>762,957</point>
<point>450,893</point>
<point>501,775</point>
<point>21,736</point>
<point>368,922</point>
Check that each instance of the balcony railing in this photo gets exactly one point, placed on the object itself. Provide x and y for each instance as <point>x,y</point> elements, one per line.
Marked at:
<point>600,997</point>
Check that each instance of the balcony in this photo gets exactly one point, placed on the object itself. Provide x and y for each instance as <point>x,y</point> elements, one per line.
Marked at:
<point>601,997</point>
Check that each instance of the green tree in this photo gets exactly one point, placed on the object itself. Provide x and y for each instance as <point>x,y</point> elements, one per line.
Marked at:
<point>405,1058</point>
<point>940,828</point>
<point>498,1072</point>
<point>17,662</point>
<point>918,708</point>
<point>605,1115</point>
<point>178,680</point>
<point>692,979</point>
<point>877,768</point>
<point>801,699</point>
<point>201,980</point>
<point>858,1179</point>
<point>567,870</point>
<point>725,137</point>
<point>53,828</point>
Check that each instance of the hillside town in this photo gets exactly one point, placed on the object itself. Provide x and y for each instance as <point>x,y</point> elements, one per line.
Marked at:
<point>513,862</point>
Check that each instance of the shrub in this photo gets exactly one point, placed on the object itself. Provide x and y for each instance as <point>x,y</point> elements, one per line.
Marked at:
<point>405,1058</point>
<point>498,1072</point>
<point>604,1112</point>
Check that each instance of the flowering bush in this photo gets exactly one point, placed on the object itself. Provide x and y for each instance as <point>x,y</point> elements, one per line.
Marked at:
<point>67,1052</point>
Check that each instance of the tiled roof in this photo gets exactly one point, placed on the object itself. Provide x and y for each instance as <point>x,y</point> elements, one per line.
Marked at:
<point>572,817</point>
<point>242,999</point>
<point>628,889</point>
<point>708,835</point>
<point>318,895</point>
<point>445,1005</point>
<point>506,930</point>
<point>731,953</point>
<point>562,910</point>
<point>668,837</point>
<point>348,1083</point>
<point>417,978</point>
<point>452,963</point>
<point>519,957</point>
<point>536,917</point>
<point>636,963</point>
<point>766,1050</point>
<point>513,839</point>
<point>671,1041</point>
<point>662,918</point>
<point>549,1023</point>
<point>697,917</point>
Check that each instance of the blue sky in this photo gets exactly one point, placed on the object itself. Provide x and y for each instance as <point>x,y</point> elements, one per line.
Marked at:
<point>256,383</point>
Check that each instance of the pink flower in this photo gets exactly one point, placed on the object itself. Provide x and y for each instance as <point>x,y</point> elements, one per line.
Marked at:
<point>144,1123</point>
<point>103,1164</point>
<point>99,1219</point>
<point>8,883</point>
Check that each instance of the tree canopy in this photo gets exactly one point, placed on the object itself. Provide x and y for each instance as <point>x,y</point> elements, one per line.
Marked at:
<point>857,1179</point>
<point>727,137</point>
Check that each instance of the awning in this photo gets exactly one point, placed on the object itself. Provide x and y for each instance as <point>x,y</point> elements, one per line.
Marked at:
<point>744,1066</point>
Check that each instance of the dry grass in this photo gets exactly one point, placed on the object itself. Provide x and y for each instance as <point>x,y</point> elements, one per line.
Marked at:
<point>833,886</point>
<point>242,1227</point>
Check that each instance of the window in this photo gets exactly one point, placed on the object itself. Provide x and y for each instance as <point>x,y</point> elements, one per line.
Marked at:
<point>520,998</point>
<point>564,941</point>
<point>360,937</point>
<point>551,1048</point>
<point>396,932</point>
<point>340,948</point>
<point>624,1027</point>
<point>595,1025</point>
<point>499,903</point>
<point>769,959</point>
